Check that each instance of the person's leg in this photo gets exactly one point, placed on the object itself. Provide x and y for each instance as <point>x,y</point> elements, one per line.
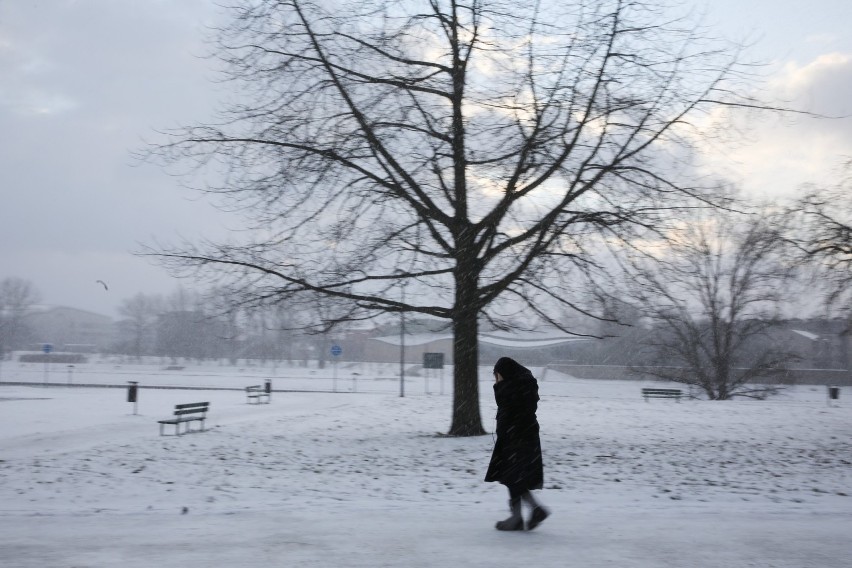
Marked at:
<point>515,522</point>
<point>529,499</point>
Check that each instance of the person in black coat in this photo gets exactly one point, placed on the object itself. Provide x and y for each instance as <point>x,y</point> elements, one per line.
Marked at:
<point>516,459</point>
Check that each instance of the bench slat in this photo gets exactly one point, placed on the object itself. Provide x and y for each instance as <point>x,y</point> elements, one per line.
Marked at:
<point>191,411</point>
<point>661,393</point>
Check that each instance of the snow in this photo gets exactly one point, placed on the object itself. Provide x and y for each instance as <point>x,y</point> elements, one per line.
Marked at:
<point>359,477</point>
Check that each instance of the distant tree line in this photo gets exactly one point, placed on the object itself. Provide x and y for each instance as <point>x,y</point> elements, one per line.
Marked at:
<point>191,326</point>
<point>17,296</point>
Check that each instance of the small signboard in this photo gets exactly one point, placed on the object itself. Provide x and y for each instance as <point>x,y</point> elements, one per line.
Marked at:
<point>336,350</point>
<point>47,347</point>
<point>433,360</point>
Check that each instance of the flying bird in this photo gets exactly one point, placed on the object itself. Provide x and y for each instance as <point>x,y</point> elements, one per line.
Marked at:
<point>102,283</point>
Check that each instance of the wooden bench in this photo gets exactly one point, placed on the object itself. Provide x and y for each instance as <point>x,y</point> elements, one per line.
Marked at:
<point>186,414</point>
<point>661,393</point>
<point>258,394</point>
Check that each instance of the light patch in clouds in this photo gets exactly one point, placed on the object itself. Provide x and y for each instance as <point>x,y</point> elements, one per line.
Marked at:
<point>772,155</point>
<point>824,84</point>
<point>822,39</point>
<point>22,92</point>
<point>37,103</point>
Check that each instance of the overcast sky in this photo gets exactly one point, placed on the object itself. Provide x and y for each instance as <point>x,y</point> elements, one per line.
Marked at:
<point>84,82</point>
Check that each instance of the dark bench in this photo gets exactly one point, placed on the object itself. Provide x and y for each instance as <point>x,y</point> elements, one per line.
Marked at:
<point>186,414</point>
<point>258,394</point>
<point>661,393</point>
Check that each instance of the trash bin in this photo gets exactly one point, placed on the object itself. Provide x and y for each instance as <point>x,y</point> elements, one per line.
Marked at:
<point>131,391</point>
<point>833,393</point>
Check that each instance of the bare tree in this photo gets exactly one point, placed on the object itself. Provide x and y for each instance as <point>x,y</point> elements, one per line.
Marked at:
<point>712,295</point>
<point>452,153</point>
<point>140,322</point>
<point>17,297</point>
<point>231,317</point>
<point>822,222</point>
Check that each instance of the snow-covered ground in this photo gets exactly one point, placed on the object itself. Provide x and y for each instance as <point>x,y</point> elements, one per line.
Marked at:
<point>359,477</point>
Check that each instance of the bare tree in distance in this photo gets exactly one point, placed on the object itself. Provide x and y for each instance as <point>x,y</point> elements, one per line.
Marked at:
<point>445,157</point>
<point>140,314</point>
<point>822,233</point>
<point>712,296</point>
<point>17,297</point>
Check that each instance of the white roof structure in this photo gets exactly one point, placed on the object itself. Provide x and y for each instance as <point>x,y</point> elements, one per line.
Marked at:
<point>416,339</point>
<point>529,340</point>
<point>808,334</point>
<point>514,340</point>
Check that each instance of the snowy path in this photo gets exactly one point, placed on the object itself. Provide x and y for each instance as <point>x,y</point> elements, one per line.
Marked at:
<point>376,534</point>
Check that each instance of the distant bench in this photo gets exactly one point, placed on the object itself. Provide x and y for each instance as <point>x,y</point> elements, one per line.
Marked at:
<point>661,393</point>
<point>186,414</point>
<point>257,393</point>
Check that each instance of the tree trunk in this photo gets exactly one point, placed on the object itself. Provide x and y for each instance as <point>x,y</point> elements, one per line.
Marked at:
<point>467,420</point>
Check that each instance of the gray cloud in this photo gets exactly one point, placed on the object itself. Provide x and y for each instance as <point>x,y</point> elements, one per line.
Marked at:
<point>84,82</point>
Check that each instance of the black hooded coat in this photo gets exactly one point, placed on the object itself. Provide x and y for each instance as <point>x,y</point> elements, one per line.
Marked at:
<point>516,459</point>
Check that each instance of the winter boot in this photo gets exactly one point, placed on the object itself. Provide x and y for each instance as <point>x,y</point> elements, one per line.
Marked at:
<point>539,513</point>
<point>516,521</point>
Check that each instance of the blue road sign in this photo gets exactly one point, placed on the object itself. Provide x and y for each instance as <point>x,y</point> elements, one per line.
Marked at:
<point>336,350</point>
<point>47,347</point>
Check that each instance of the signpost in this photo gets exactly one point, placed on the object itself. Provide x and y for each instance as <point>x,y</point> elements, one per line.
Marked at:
<point>47,348</point>
<point>336,351</point>
<point>433,361</point>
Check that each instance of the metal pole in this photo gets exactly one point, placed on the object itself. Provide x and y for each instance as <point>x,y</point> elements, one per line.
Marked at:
<point>402,349</point>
